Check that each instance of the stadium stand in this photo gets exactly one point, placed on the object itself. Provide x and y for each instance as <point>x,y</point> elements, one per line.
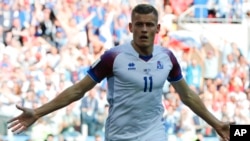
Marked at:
<point>38,39</point>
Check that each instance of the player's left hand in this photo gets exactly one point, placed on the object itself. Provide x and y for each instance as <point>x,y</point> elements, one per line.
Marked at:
<point>224,130</point>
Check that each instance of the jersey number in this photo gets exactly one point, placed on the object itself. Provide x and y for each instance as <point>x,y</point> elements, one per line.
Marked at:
<point>148,81</point>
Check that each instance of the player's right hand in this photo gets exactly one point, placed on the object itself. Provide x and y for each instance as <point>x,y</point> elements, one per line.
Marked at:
<point>20,123</point>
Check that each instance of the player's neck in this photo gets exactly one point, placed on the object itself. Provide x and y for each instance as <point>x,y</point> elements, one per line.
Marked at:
<point>143,51</point>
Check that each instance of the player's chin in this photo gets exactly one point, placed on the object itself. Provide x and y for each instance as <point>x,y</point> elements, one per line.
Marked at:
<point>144,44</point>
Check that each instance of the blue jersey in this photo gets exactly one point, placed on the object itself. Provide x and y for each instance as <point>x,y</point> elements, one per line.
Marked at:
<point>135,91</point>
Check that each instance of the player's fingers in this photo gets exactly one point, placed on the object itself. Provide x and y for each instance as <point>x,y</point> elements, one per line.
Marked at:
<point>13,119</point>
<point>226,138</point>
<point>16,118</point>
<point>20,129</point>
<point>16,128</point>
<point>12,124</point>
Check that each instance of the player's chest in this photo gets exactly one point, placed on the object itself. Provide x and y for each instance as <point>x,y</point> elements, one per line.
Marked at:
<point>138,71</point>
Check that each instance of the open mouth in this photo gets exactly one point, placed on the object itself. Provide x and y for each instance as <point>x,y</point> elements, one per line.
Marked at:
<point>143,37</point>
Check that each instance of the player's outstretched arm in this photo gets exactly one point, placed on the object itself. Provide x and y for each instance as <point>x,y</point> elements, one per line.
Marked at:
<point>29,116</point>
<point>193,101</point>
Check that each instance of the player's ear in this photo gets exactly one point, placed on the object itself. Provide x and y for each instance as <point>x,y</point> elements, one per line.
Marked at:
<point>158,28</point>
<point>130,27</point>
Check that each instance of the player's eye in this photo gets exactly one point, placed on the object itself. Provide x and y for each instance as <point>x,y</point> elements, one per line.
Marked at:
<point>149,24</point>
<point>139,24</point>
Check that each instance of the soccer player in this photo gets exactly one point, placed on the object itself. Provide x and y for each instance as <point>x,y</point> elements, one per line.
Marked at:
<point>135,72</point>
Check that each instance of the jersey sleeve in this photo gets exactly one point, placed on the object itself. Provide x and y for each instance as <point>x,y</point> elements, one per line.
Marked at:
<point>103,67</point>
<point>175,73</point>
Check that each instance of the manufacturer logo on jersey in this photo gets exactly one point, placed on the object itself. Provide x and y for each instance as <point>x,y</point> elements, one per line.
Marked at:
<point>131,66</point>
<point>159,65</point>
<point>147,71</point>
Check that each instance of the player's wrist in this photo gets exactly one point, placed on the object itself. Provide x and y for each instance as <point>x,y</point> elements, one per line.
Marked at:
<point>36,114</point>
<point>218,126</point>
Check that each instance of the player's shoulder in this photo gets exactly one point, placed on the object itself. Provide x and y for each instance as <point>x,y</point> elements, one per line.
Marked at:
<point>115,51</point>
<point>122,48</point>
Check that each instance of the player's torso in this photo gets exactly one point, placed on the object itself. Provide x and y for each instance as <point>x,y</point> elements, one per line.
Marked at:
<point>135,95</point>
<point>142,76</point>
<point>136,81</point>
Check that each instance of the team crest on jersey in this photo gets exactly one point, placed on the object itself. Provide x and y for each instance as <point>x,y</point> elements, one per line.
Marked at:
<point>131,66</point>
<point>159,65</point>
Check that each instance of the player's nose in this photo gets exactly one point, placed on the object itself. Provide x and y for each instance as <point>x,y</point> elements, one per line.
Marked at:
<point>144,28</point>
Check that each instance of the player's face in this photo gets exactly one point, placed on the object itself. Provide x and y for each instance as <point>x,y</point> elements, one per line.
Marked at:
<point>144,27</point>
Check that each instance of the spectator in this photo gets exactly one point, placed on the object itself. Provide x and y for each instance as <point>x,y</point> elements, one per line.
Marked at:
<point>89,110</point>
<point>1,37</point>
<point>224,75</point>
<point>172,118</point>
<point>98,138</point>
<point>45,18</point>
<point>42,131</point>
<point>70,123</point>
<point>210,58</point>
<point>60,38</point>
<point>236,10</point>
<point>186,127</point>
<point>223,10</point>
<point>101,118</point>
<point>50,137</point>
<point>194,75</point>
<point>7,15</point>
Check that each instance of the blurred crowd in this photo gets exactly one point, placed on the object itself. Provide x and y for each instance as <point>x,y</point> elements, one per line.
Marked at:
<point>231,9</point>
<point>48,45</point>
